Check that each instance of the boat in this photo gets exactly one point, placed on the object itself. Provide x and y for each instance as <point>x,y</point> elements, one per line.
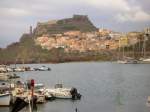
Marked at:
<point>40,98</point>
<point>144,60</point>
<point>128,60</point>
<point>5,99</point>
<point>148,101</point>
<point>49,96</point>
<point>5,95</point>
<point>9,69</point>
<point>40,88</point>
<point>122,61</point>
<point>64,93</point>
<point>23,94</point>
<point>7,76</point>
<point>4,76</point>
<point>19,69</point>
<point>43,68</point>
<point>131,61</point>
<point>13,76</point>
<point>3,69</point>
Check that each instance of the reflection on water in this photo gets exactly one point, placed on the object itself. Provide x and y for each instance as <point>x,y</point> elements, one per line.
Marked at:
<point>118,99</point>
<point>106,87</point>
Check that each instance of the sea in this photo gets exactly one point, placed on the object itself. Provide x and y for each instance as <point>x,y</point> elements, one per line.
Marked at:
<point>105,86</point>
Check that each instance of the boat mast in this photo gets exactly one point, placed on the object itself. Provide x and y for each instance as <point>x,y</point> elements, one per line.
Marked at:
<point>123,52</point>
<point>144,45</point>
<point>133,50</point>
<point>146,35</point>
<point>119,50</point>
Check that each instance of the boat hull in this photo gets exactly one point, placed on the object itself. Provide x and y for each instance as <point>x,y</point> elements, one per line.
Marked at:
<point>64,93</point>
<point>60,93</point>
<point>5,99</point>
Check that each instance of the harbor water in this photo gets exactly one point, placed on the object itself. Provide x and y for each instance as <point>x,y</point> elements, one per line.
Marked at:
<point>105,86</point>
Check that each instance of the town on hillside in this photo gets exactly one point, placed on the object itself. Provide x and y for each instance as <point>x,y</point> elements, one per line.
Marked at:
<point>75,39</point>
<point>103,39</point>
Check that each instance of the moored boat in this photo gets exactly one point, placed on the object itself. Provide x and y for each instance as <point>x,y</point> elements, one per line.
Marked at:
<point>4,76</point>
<point>3,68</point>
<point>19,69</point>
<point>122,61</point>
<point>64,93</point>
<point>5,99</point>
<point>144,60</point>
<point>43,68</point>
<point>148,101</point>
<point>40,88</point>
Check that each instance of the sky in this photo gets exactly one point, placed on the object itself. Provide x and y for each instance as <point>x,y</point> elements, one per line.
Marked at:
<point>118,15</point>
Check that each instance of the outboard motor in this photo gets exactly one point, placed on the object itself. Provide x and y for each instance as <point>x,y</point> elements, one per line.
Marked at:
<point>78,96</point>
<point>49,69</point>
<point>75,94</point>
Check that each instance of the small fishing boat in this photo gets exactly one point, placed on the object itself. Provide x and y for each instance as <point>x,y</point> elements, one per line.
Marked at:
<point>122,61</point>
<point>7,76</point>
<point>144,60</point>
<point>132,61</point>
<point>3,69</point>
<point>19,69</point>
<point>40,97</point>
<point>9,69</point>
<point>64,93</point>
<point>4,76</point>
<point>5,99</point>
<point>40,88</point>
<point>43,68</point>
<point>148,101</point>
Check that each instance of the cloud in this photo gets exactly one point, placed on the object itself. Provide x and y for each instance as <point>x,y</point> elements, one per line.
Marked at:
<point>13,12</point>
<point>110,4</point>
<point>18,12</point>
<point>123,9</point>
<point>123,15</point>
<point>136,16</point>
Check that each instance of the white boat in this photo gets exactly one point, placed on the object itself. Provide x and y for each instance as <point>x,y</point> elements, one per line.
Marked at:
<point>64,93</point>
<point>19,69</point>
<point>5,99</point>
<point>40,97</point>
<point>41,88</point>
<point>145,60</point>
<point>7,76</point>
<point>43,68</point>
<point>3,68</point>
<point>148,101</point>
<point>4,76</point>
<point>9,69</point>
<point>122,61</point>
<point>128,60</point>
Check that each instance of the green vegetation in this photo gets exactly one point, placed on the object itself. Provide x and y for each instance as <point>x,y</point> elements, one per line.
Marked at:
<point>27,52</point>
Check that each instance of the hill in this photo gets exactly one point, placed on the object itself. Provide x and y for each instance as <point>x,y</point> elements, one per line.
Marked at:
<point>77,22</point>
<point>26,51</point>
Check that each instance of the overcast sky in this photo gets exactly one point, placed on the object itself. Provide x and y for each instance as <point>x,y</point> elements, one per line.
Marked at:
<point>119,15</point>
